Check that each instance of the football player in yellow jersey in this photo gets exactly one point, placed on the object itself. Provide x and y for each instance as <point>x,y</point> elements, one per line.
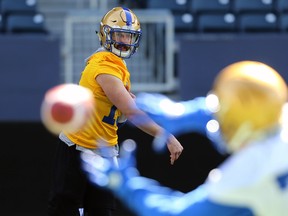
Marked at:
<point>107,76</point>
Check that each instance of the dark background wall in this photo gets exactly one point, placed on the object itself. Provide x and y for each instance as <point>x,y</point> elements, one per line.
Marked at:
<point>26,156</point>
<point>29,66</point>
<point>201,57</point>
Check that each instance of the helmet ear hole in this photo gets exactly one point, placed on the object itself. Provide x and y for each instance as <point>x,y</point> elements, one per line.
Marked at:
<point>99,34</point>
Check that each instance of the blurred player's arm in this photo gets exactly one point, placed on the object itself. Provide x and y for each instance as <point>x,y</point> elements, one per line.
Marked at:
<point>146,196</point>
<point>122,99</point>
<point>176,117</point>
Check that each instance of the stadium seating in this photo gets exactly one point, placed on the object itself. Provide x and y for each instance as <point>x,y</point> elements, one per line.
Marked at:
<point>202,6</point>
<point>21,16</point>
<point>283,22</point>
<point>1,24</point>
<point>242,6</point>
<point>225,15</point>
<point>281,6</point>
<point>25,23</point>
<point>173,5</point>
<point>261,22</point>
<point>184,22</point>
<point>17,6</point>
<point>216,22</point>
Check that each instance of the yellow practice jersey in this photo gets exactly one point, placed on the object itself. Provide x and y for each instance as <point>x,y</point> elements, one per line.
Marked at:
<point>103,125</point>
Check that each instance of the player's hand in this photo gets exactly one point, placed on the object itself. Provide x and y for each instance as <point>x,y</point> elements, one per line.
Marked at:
<point>175,148</point>
<point>104,173</point>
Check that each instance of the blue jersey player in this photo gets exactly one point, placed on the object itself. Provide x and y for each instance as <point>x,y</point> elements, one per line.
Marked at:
<point>244,114</point>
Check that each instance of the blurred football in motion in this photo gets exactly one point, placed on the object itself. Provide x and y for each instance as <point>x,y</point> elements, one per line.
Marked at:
<point>66,107</point>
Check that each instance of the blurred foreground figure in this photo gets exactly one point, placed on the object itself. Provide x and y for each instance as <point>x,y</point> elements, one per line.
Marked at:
<point>248,120</point>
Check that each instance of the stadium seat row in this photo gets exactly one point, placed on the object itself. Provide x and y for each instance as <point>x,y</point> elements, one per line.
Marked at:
<point>235,6</point>
<point>225,15</point>
<point>229,22</point>
<point>21,16</point>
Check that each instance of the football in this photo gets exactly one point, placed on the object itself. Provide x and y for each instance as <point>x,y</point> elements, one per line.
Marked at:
<point>66,107</point>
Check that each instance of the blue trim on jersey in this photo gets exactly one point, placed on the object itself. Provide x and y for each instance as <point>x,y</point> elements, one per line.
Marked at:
<point>282,181</point>
<point>128,16</point>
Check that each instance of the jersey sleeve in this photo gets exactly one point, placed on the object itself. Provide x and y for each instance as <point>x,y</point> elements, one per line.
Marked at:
<point>107,63</point>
